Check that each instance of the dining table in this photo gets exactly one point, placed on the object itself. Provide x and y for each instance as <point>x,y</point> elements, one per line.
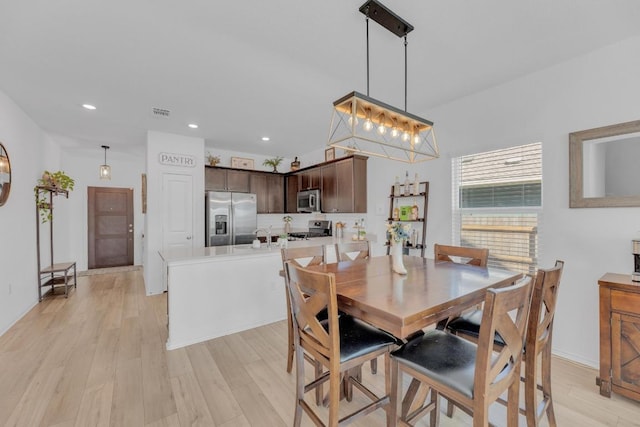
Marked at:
<point>403,304</point>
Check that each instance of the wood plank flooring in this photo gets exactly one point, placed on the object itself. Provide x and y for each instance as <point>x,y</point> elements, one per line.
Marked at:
<point>99,359</point>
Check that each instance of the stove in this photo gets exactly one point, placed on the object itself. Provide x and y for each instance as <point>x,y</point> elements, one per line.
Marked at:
<point>317,228</point>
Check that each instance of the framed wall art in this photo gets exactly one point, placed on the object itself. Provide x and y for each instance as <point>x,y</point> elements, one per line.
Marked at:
<point>242,163</point>
<point>329,154</point>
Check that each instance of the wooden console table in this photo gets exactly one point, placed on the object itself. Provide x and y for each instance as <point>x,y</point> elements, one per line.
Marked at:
<point>619,336</point>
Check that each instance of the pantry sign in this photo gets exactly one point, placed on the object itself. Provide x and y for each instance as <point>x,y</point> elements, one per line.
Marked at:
<point>181,160</point>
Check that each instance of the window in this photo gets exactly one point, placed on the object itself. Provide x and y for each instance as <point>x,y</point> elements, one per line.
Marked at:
<point>497,204</point>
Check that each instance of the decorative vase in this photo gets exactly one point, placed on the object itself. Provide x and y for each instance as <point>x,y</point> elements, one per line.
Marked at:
<point>287,227</point>
<point>396,257</point>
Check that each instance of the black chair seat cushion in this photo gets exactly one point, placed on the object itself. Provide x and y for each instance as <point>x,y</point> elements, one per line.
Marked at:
<point>358,338</point>
<point>469,324</point>
<point>444,357</point>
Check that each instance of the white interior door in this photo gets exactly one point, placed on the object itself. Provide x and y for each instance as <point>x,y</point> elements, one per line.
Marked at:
<point>177,211</point>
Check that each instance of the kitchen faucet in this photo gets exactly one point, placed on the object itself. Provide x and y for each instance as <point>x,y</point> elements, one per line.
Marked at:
<point>268,232</point>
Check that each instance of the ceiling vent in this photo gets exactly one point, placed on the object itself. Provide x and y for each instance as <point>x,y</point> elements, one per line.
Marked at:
<point>161,113</point>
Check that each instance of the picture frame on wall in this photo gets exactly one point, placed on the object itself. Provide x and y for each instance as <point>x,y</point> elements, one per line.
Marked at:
<point>242,163</point>
<point>329,154</point>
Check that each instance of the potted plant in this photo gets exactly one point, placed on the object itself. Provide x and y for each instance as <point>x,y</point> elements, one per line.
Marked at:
<point>52,181</point>
<point>213,160</point>
<point>273,163</point>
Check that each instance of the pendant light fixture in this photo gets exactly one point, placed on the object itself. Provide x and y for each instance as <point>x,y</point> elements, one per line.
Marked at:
<point>361,124</point>
<point>105,169</point>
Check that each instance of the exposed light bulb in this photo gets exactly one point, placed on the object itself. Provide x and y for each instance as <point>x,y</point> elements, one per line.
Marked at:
<point>416,138</point>
<point>394,129</point>
<point>382,129</point>
<point>368,125</point>
<point>353,121</point>
<point>406,136</point>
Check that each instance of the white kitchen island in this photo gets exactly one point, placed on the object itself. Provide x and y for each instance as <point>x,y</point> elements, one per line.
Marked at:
<point>222,290</point>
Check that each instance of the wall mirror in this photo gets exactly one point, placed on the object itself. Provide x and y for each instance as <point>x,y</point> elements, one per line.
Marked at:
<point>603,166</point>
<point>5,175</point>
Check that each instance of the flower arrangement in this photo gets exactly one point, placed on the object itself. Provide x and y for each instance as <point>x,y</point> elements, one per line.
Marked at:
<point>287,218</point>
<point>398,231</point>
<point>213,160</point>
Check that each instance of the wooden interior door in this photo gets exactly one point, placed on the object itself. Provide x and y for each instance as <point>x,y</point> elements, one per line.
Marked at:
<point>110,227</point>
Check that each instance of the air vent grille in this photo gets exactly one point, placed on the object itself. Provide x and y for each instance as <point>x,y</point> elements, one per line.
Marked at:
<point>161,112</point>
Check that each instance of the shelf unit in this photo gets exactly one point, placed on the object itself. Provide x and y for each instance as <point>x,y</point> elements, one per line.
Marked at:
<point>421,222</point>
<point>55,274</point>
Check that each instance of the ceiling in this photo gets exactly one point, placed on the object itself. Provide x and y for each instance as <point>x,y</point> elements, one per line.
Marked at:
<point>246,69</point>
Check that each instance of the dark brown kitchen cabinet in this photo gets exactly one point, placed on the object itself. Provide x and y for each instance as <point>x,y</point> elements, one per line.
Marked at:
<point>309,179</point>
<point>222,179</point>
<point>269,189</point>
<point>291,193</point>
<point>344,185</point>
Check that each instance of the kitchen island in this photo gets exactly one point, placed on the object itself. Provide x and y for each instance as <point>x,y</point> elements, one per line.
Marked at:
<point>222,290</point>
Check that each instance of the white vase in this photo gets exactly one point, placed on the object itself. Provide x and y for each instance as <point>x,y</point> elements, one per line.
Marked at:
<point>396,257</point>
<point>287,227</point>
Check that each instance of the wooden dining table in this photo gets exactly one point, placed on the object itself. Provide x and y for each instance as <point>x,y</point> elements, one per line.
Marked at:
<point>404,304</point>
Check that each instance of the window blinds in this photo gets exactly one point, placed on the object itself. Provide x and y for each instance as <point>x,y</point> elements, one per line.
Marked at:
<point>497,204</point>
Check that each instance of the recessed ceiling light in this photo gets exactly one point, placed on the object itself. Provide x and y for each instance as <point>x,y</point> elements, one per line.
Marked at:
<point>193,126</point>
<point>265,138</point>
<point>89,106</point>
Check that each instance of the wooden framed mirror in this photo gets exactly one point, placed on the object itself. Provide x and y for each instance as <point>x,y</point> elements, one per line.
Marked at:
<point>5,175</point>
<point>603,166</point>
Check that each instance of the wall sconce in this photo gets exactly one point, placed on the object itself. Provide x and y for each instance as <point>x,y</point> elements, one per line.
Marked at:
<point>105,169</point>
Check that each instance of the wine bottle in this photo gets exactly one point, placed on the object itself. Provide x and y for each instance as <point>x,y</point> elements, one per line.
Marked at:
<point>396,187</point>
<point>416,186</point>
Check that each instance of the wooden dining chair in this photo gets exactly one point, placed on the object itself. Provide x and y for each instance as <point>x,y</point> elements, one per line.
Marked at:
<point>340,343</point>
<point>537,345</point>
<point>464,255</point>
<point>467,255</point>
<point>470,374</point>
<point>349,251</point>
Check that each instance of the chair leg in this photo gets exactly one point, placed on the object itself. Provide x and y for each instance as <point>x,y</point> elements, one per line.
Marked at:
<point>395,392</point>
<point>300,383</point>
<point>546,385</point>
<point>513,403</point>
<point>290,343</point>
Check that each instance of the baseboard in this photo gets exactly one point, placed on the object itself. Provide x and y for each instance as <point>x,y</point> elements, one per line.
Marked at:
<point>109,270</point>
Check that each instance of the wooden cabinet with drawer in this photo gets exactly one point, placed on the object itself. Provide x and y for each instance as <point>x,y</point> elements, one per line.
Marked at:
<point>224,179</point>
<point>619,336</point>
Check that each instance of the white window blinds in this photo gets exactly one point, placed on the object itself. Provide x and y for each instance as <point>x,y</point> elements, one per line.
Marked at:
<point>497,204</point>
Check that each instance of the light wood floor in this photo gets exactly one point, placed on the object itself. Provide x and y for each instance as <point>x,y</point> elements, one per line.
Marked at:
<point>99,359</point>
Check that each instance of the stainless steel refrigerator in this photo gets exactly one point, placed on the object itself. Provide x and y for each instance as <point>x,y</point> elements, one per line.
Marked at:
<point>231,218</point>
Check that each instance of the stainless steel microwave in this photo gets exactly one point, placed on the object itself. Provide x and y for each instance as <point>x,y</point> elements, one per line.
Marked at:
<point>308,201</point>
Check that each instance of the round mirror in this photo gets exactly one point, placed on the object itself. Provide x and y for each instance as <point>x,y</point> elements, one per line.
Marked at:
<point>5,175</point>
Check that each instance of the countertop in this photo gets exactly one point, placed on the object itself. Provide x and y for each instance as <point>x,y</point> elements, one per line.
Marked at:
<point>217,253</point>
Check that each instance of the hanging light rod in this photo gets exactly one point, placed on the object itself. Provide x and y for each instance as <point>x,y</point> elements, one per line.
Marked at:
<point>385,17</point>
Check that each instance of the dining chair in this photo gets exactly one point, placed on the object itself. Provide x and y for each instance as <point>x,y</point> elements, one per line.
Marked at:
<point>340,343</point>
<point>465,255</point>
<point>349,251</point>
<point>537,345</point>
<point>470,374</point>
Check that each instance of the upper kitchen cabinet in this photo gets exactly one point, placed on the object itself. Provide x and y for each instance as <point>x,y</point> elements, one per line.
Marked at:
<point>292,193</point>
<point>344,185</point>
<point>222,179</point>
<point>269,189</point>
<point>309,179</point>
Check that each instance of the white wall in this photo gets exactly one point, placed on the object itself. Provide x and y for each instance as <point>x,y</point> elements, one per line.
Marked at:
<point>158,142</point>
<point>26,144</point>
<point>597,89</point>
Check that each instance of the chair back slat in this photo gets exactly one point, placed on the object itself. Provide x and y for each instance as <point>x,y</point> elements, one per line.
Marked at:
<point>505,312</point>
<point>543,307</point>
<point>350,251</point>
<point>310,293</point>
<point>473,256</point>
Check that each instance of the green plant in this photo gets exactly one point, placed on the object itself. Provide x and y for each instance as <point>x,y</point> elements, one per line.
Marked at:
<point>53,181</point>
<point>274,163</point>
<point>213,160</point>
